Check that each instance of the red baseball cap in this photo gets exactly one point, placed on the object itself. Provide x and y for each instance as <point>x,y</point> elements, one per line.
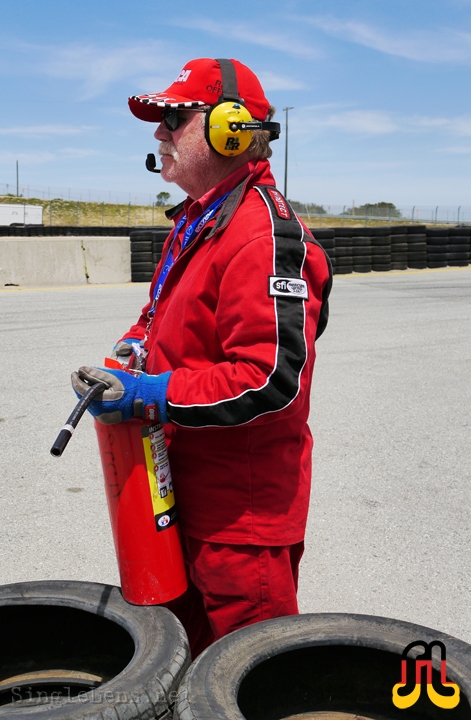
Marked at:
<point>200,83</point>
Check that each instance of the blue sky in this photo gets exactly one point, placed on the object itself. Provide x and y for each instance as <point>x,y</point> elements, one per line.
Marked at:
<point>380,91</point>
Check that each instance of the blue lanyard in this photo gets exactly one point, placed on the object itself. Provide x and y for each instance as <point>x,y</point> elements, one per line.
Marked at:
<point>190,233</point>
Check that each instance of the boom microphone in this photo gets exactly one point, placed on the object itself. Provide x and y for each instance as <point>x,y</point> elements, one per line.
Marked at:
<point>151,163</point>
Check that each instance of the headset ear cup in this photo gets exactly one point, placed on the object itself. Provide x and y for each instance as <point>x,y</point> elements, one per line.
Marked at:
<point>218,133</point>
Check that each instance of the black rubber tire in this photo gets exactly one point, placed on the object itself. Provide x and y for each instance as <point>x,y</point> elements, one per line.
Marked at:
<point>437,232</point>
<point>314,663</point>
<point>344,260</point>
<point>458,256</point>
<point>417,264</point>
<point>361,250</point>
<point>362,268</point>
<point>141,246</point>
<point>147,266</point>
<point>399,258</point>
<point>458,247</point>
<point>141,234</point>
<point>399,239</point>
<point>327,243</point>
<point>137,655</point>
<point>437,257</point>
<point>457,263</point>
<point>399,248</point>
<point>437,242</point>
<point>323,233</point>
<point>398,264</point>
<point>142,276</point>
<point>140,257</point>
<point>436,249</point>
<point>343,241</point>
<point>343,269</point>
<point>380,231</point>
<point>381,267</point>
<point>460,231</point>
<point>436,263</point>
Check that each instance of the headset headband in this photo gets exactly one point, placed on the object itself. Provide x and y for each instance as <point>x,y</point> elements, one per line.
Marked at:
<point>230,91</point>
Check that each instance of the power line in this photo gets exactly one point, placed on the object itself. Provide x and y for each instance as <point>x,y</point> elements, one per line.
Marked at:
<point>286,110</point>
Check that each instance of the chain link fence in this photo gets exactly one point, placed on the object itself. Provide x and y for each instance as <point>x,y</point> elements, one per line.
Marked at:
<point>78,206</point>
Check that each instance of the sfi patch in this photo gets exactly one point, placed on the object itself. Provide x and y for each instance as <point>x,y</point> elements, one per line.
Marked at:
<point>287,287</point>
<point>282,207</point>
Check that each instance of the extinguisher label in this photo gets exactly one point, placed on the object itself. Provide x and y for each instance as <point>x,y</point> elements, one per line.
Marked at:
<point>160,478</point>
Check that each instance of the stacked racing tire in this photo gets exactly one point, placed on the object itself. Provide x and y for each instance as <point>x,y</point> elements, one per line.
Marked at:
<point>314,667</point>
<point>78,651</point>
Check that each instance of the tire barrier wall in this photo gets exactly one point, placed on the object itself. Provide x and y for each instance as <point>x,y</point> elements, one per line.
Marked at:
<point>63,231</point>
<point>398,247</point>
<point>78,651</point>
<point>361,250</point>
<point>321,665</point>
<point>80,255</point>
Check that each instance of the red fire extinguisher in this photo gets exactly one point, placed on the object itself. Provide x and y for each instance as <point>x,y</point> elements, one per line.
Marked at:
<point>141,504</point>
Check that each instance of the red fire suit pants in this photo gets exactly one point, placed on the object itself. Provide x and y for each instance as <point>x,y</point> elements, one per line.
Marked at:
<point>231,586</point>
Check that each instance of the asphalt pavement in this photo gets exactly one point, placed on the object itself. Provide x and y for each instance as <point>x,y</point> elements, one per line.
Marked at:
<point>388,532</point>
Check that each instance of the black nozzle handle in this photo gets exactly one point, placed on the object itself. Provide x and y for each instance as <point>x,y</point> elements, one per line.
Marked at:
<point>72,421</point>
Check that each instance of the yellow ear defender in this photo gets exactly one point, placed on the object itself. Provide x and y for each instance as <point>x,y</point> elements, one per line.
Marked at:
<point>223,128</point>
<point>229,125</point>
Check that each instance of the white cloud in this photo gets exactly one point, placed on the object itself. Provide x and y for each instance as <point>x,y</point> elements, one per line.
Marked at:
<point>459,126</point>
<point>376,122</point>
<point>33,158</point>
<point>42,157</point>
<point>39,130</point>
<point>281,41</point>
<point>96,68</point>
<point>443,45</point>
<point>456,150</point>
<point>271,82</point>
<point>370,122</point>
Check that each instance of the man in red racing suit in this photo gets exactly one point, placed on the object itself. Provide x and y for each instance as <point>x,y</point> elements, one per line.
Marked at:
<point>231,325</point>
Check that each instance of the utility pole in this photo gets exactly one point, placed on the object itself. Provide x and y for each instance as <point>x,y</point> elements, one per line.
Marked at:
<point>286,109</point>
<point>17,181</point>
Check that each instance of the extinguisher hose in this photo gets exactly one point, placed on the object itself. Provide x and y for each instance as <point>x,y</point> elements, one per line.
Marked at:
<point>72,421</point>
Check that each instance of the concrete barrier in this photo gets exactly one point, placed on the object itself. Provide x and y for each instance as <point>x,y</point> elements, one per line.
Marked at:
<point>64,260</point>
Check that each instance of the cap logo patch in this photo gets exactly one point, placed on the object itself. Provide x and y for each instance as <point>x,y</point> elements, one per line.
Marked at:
<point>184,75</point>
<point>287,287</point>
<point>281,205</point>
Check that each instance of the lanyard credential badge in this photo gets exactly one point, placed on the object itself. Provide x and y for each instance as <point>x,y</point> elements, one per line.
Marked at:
<point>190,233</point>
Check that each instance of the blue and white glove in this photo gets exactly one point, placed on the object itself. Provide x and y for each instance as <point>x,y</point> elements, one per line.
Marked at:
<point>123,348</point>
<point>128,395</point>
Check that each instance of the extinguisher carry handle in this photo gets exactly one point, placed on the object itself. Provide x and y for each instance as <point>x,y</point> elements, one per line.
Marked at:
<point>72,421</point>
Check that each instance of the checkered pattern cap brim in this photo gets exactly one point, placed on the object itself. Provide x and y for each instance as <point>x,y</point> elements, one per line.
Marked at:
<point>149,107</point>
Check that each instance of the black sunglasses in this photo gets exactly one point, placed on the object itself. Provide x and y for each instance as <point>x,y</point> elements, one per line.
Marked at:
<point>173,119</point>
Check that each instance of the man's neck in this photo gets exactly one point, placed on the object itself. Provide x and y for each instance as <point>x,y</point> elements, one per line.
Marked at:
<point>219,171</point>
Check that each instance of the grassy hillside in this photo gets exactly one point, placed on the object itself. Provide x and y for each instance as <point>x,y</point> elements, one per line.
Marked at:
<point>71,212</point>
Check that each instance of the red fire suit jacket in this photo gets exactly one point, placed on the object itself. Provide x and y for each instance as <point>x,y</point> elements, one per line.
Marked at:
<point>236,323</point>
